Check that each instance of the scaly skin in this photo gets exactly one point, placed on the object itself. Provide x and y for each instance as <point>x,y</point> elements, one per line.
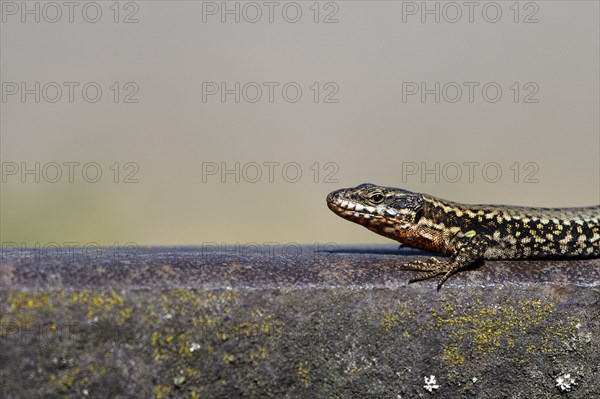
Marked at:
<point>468,233</point>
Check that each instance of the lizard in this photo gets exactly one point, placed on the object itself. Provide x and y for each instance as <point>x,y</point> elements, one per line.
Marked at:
<point>468,233</point>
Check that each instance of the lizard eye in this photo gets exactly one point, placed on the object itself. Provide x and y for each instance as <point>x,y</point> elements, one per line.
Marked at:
<point>376,198</point>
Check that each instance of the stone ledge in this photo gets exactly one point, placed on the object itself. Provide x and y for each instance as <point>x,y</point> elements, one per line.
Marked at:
<point>260,268</point>
<point>187,322</point>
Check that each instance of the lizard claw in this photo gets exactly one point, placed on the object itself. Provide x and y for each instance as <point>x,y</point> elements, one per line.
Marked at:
<point>423,266</point>
<point>425,276</point>
<point>444,278</point>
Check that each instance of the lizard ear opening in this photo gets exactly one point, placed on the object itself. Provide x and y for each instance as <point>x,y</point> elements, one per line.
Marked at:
<point>418,214</point>
<point>412,202</point>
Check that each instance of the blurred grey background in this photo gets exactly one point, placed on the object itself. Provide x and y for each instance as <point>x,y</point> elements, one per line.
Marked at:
<point>162,97</point>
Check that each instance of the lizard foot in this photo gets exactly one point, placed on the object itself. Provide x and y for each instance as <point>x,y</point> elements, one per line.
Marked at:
<point>422,266</point>
<point>431,268</point>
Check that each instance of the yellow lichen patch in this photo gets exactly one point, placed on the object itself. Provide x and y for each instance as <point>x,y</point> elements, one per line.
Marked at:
<point>154,338</point>
<point>259,354</point>
<point>246,329</point>
<point>157,355</point>
<point>264,325</point>
<point>453,357</point>
<point>161,391</point>
<point>93,370</point>
<point>391,320</point>
<point>448,307</point>
<point>303,372</point>
<point>23,308</point>
<point>215,330</point>
<point>180,327</point>
<point>100,304</point>
<point>388,321</point>
<point>65,379</point>
<point>489,328</point>
<point>354,369</point>
<point>191,372</point>
<point>124,315</point>
<point>186,344</point>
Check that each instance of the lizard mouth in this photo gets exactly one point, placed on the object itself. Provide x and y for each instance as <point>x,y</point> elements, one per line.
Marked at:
<point>353,210</point>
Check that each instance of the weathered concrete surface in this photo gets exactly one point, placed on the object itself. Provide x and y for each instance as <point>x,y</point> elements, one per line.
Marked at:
<point>208,323</point>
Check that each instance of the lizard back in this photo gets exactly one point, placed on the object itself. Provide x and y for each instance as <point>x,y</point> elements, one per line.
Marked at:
<point>517,232</point>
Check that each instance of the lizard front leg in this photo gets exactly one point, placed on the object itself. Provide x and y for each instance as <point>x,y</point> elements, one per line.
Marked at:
<point>466,253</point>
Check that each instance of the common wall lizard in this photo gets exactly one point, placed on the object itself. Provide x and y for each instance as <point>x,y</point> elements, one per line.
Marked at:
<point>468,233</point>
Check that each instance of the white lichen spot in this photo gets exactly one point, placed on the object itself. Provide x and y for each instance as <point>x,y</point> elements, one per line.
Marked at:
<point>179,380</point>
<point>194,347</point>
<point>431,383</point>
<point>565,382</point>
<point>85,392</point>
<point>474,379</point>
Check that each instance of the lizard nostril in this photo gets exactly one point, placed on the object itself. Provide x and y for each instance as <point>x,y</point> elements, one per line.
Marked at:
<point>330,198</point>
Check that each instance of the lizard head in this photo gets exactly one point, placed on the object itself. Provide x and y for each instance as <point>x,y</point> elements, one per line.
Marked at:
<point>380,209</point>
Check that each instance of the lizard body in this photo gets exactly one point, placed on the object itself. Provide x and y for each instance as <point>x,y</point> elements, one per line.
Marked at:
<point>468,233</point>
